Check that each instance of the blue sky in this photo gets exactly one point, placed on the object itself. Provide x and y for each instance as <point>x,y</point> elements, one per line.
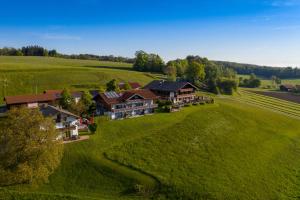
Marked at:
<point>250,31</point>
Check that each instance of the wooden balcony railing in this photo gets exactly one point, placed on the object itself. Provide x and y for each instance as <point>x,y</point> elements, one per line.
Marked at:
<point>186,95</point>
<point>187,90</point>
<point>135,108</point>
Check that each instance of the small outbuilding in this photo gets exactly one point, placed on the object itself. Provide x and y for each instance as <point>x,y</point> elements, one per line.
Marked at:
<point>287,87</point>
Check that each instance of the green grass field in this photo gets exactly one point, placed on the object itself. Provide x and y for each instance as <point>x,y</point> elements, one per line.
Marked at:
<point>229,150</point>
<point>274,104</point>
<point>25,75</point>
<point>242,147</point>
<point>266,83</point>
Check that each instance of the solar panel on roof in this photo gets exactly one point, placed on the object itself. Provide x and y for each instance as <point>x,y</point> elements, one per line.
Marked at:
<point>111,95</point>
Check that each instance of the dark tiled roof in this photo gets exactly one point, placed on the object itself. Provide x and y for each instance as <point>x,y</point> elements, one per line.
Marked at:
<point>94,93</point>
<point>49,111</point>
<point>168,86</point>
<point>3,109</point>
<point>22,99</point>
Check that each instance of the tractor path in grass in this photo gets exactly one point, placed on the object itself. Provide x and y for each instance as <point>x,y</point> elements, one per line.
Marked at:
<point>276,105</point>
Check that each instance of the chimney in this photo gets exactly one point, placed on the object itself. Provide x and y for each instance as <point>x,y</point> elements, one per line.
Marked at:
<point>161,82</point>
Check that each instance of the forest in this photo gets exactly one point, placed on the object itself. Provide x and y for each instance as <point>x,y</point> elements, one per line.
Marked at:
<point>262,71</point>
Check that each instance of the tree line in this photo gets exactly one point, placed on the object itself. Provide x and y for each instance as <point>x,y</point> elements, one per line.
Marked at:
<point>36,50</point>
<point>263,71</point>
<point>199,71</point>
<point>25,51</point>
<point>153,62</point>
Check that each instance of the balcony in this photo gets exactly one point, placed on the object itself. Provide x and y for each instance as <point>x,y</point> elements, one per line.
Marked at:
<point>130,108</point>
<point>187,90</point>
<point>186,95</point>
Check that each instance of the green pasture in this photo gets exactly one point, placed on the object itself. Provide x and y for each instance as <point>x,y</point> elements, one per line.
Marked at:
<point>27,75</point>
<point>230,150</point>
<point>267,83</point>
<point>242,147</point>
<point>273,104</point>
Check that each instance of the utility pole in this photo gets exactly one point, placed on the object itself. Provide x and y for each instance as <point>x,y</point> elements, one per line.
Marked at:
<point>5,84</point>
<point>36,87</point>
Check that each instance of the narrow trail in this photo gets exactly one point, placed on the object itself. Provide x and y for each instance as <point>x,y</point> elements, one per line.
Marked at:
<point>143,178</point>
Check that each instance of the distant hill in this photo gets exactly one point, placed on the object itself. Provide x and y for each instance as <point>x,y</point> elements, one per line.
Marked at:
<point>264,71</point>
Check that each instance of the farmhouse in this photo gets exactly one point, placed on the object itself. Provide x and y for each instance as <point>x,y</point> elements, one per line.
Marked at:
<point>287,87</point>
<point>50,97</point>
<point>30,101</point>
<point>66,122</point>
<point>176,92</point>
<point>127,104</point>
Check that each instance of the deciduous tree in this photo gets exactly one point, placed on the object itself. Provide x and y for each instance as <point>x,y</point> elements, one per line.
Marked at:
<point>112,86</point>
<point>66,100</point>
<point>195,72</point>
<point>29,151</point>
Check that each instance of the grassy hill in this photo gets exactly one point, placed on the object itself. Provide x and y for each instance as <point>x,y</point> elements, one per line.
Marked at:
<point>28,74</point>
<point>230,150</point>
<point>238,148</point>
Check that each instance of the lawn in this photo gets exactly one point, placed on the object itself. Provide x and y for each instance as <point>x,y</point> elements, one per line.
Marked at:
<point>26,75</point>
<point>229,150</point>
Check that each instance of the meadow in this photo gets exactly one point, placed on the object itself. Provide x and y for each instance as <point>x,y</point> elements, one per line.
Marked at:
<point>267,83</point>
<point>242,147</point>
<point>230,150</point>
<point>28,75</point>
<point>254,97</point>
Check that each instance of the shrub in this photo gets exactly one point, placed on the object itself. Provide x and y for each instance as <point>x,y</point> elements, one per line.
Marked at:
<point>93,127</point>
<point>164,106</point>
<point>227,86</point>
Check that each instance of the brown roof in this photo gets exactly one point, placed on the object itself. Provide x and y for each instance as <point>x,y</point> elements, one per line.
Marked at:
<point>22,99</point>
<point>109,100</point>
<point>57,93</point>
<point>288,86</point>
<point>53,91</point>
<point>144,93</point>
<point>133,85</point>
